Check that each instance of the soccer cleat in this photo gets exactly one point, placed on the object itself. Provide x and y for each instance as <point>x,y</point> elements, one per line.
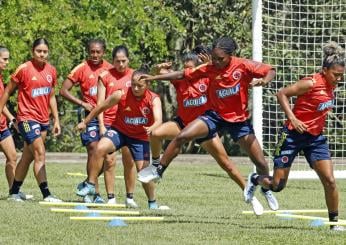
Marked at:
<point>15,197</point>
<point>24,196</point>
<point>88,189</point>
<point>51,198</point>
<point>149,174</point>
<point>80,185</point>
<point>153,205</point>
<point>130,203</point>
<point>88,199</point>
<point>256,206</point>
<point>112,201</point>
<point>271,200</point>
<point>337,228</point>
<point>249,190</point>
<point>98,199</point>
<point>155,162</point>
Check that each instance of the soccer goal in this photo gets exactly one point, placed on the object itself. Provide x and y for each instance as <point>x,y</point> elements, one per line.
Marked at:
<point>290,35</point>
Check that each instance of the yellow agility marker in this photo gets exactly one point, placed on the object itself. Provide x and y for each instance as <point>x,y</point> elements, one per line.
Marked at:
<point>133,218</point>
<point>106,205</point>
<point>67,210</point>
<point>293,216</point>
<point>290,211</point>
<point>84,175</point>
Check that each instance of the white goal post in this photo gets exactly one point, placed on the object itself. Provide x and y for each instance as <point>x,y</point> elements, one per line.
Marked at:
<point>290,35</point>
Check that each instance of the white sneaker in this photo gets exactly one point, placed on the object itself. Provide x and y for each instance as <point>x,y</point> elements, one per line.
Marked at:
<point>112,201</point>
<point>249,190</point>
<point>24,196</point>
<point>271,200</point>
<point>51,198</point>
<point>148,174</point>
<point>256,206</point>
<point>15,197</point>
<point>130,203</point>
<point>337,228</point>
<point>88,199</point>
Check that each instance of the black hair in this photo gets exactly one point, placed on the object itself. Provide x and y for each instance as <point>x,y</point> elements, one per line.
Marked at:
<point>201,49</point>
<point>39,41</point>
<point>120,48</point>
<point>98,41</point>
<point>3,49</point>
<point>144,69</point>
<point>334,54</point>
<point>190,57</point>
<point>227,44</point>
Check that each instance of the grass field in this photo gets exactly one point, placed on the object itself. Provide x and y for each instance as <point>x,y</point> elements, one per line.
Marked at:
<point>205,209</point>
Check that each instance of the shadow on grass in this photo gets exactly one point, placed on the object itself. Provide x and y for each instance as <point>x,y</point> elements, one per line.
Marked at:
<point>221,175</point>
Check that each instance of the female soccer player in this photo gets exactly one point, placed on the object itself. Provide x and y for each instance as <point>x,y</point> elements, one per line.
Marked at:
<point>35,80</point>
<point>139,113</point>
<point>192,100</point>
<point>6,140</point>
<point>230,78</point>
<point>85,75</point>
<point>118,77</point>
<point>303,130</point>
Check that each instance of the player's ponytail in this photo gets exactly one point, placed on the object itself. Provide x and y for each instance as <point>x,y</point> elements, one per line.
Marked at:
<point>334,54</point>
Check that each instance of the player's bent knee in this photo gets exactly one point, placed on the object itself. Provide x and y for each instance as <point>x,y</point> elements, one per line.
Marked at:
<point>279,187</point>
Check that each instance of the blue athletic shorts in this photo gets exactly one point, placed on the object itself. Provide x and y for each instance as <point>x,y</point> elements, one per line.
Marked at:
<point>91,133</point>
<point>216,124</point>
<point>139,149</point>
<point>31,130</point>
<point>291,143</point>
<point>4,134</point>
<point>182,126</point>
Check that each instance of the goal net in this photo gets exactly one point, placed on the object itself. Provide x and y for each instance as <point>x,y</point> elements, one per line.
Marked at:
<point>290,35</point>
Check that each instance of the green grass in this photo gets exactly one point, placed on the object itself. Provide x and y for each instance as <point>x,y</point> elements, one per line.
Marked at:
<point>205,209</point>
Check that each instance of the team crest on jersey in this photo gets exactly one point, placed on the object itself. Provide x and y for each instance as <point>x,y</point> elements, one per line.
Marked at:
<point>92,134</point>
<point>236,75</point>
<point>145,110</point>
<point>128,84</point>
<point>202,87</point>
<point>284,159</point>
<point>49,78</point>
<point>111,133</point>
<point>37,131</point>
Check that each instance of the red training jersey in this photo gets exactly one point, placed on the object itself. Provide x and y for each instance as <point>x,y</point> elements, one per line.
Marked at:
<point>192,98</point>
<point>35,85</point>
<point>312,107</point>
<point>113,81</point>
<point>228,87</point>
<point>134,114</point>
<point>86,75</point>
<point>3,121</point>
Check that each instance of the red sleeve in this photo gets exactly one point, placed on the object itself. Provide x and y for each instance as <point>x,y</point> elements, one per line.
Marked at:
<point>196,73</point>
<point>18,75</point>
<point>257,69</point>
<point>55,80</point>
<point>74,76</point>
